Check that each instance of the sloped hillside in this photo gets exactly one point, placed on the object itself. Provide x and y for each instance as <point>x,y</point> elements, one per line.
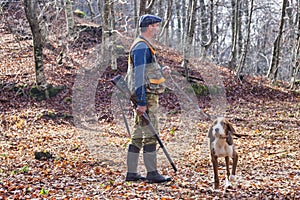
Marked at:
<point>48,151</point>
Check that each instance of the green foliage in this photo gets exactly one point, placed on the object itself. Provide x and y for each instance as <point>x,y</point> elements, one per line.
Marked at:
<point>37,94</point>
<point>67,99</point>
<point>44,191</point>
<point>75,147</point>
<point>14,172</point>
<point>204,90</point>
<point>297,82</point>
<point>173,130</point>
<point>53,91</point>
<point>200,90</point>
<point>42,94</point>
<point>80,13</point>
<point>25,169</point>
<point>51,114</point>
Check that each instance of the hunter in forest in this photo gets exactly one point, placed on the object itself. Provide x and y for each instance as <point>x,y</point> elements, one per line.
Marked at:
<point>146,81</point>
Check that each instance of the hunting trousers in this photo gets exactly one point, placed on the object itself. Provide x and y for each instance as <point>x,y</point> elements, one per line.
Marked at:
<point>141,133</point>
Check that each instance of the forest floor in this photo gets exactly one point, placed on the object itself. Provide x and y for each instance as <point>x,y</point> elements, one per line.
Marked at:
<point>82,156</point>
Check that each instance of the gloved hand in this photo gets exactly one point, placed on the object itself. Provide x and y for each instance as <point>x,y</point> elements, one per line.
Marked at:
<point>141,109</point>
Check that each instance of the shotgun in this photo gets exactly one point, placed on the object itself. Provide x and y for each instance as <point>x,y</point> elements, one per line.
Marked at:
<point>121,84</point>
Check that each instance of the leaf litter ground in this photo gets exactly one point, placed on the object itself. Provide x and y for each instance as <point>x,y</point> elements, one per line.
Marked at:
<point>89,156</point>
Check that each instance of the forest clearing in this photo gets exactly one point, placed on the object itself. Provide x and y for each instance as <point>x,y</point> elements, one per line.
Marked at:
<point>71,145</point>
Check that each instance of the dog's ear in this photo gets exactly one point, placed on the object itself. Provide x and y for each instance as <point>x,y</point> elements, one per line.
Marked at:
<point>231,129</point>
<point>210,134</point>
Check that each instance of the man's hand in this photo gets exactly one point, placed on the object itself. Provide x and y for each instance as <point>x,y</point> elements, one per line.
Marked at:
<point>141,109</point>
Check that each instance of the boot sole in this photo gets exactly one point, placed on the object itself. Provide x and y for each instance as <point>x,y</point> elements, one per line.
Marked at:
<point>139,179</point>
<point>159,181</point>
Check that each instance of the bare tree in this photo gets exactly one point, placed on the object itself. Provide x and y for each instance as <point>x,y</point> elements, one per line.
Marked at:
<point>233,31</point>
<point>146,7</point>
<point>246,47</point>
<point>235,27</point>
<point>191,23</point>
<point>181,21</point>
<point>206,24</point>
<point>112,15</point>
<point>32,12</point>
<point>69,16</point>
<point>165,29</point>
<point>100,6</point>
<point>105,18</point>
<point>273,69</point>
<point>296,68</point>
<point>91,8</point>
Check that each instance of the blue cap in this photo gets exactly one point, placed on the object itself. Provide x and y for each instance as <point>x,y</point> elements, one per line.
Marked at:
<point>146,20</point>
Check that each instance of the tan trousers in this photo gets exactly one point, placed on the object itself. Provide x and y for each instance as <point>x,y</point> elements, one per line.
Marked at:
<point>141,134</point>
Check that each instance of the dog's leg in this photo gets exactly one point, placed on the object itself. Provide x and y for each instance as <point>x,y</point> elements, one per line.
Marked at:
<point>214,160</point>
<point>234,165</point>
<point>227,180</point>
<point>227,166</point>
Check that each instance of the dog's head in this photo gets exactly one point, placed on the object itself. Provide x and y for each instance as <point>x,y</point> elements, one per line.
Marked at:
<point>220,128</point>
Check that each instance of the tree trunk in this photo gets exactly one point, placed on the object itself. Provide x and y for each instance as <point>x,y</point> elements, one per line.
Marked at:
<point>91,9</point>
<point>105,23</point>
<point>235,21</point>
<point>108,28</point>
<point>144,7</point>
<point>189,36</point>
<point>244,53</point>
<point>112,15</point>
<point>136,19</point>
<point>240,34</point>
<point>69,16</point>
<point>296,67</point>
<point>179,25</point>
<point>273,70</point>
<point>165,29</point>
<point>206,40</point>
<point>100,5</point>
<point>204,22</point>
<point>161,10</point>
<point>183,30</point>
<point>150,6</point>
<point>32,13</point>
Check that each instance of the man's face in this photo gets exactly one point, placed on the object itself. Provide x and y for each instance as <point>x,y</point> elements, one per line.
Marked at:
<point>154,28</point>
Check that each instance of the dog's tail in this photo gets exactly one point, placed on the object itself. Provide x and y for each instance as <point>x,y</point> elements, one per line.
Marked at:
<point>239,135</point>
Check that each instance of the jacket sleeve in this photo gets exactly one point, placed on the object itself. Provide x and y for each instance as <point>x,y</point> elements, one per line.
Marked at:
<point>141,57</point>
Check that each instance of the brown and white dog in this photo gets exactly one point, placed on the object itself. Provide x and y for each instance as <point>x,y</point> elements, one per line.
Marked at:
<point>221,145</point>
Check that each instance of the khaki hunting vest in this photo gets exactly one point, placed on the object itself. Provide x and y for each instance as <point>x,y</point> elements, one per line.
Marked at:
<point>154,78</point>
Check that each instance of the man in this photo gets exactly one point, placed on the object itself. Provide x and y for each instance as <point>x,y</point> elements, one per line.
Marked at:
<point>145,80</point>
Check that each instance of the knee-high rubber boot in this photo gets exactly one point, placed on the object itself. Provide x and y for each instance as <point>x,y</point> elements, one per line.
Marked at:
<point>132,164</point>
<point>150,160</point>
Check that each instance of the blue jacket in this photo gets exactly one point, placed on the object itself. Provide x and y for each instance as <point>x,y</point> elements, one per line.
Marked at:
<point>141,56</point>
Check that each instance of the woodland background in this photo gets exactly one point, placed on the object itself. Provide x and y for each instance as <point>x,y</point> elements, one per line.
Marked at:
<point>62,134</point>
